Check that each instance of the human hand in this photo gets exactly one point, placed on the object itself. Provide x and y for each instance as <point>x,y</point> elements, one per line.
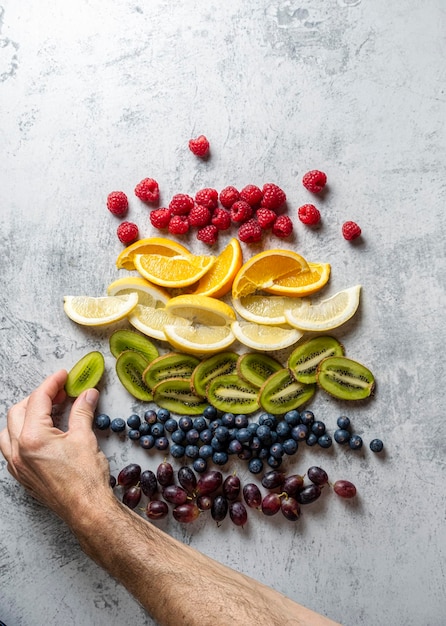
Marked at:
<point>66,471</point>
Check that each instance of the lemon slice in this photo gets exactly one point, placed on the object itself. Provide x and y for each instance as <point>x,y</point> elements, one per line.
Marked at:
<point>90,311</point>
<point>217,282</point>
<point>264,337</point>
<point>148,294</point>
<point>199,340</point>
<point>324,314</point>
<point>262,309</point>
<point>175,271</point>
<point>150,245</point>
<point>151,321</point>
<point>201,310</point>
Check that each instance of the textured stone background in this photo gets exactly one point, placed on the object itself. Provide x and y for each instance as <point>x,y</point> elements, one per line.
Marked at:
<point>97,95</point>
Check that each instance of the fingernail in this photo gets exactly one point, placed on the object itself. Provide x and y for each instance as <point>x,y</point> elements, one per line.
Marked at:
<point>92,397</point>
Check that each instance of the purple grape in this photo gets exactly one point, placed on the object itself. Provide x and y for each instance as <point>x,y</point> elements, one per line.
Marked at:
<point>273,479</point>
<point>175,494</point>
<point>208,483</point>
<point>186,513</point>
<point>129,475</point>
<point>149,484</point>
<point>317,475</point>
<point>292,484</point>
<point>308,494</point>
<point>238,513</point>
<point>252,496</point>
<point>165,474</point>
<point>204,503</point>
<point>187,479</point>
<point>132,496</point>
<point>290,509</point>
<point>271,504</point>
<point>219,508</point>
<point>231,487</point>
<point>344,489</point>
<point>157,509</point>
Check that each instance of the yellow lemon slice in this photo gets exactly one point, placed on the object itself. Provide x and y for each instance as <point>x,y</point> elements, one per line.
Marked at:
<point>263,337</point>
<point>302,283</point>
<point>262,309</point>
<point>201,310</point>
<point>199,340</point>
<point>150,245</point>
<point>148,294</point>
<point>174,271</point>
<point>325,314</point>
<point>90,311</point>
<point>217,282</point>
<point>151,321</point>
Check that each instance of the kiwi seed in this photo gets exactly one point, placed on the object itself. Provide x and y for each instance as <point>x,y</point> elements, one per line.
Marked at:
<point>256,368</point>
<point>175,394</point>
<point>211,367</point>
<point>345,379</point>
<point>230,393</point>
<point>171,365</point>
<point>281,392</point>
<point>85,374</point>
<point>123,339</point>
<point>130,366</point>
<point>305,358</point>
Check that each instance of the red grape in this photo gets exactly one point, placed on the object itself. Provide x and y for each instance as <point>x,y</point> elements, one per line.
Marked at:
<point>175,494</point>
<point>219,508</point>
<point>308,494</point>
<point>204,503</point>
<point>271,504</point>
<point>317,475</point>
<point>186,513</point>
<point>132,496</point>
<point>209,483</point>
<point>293,484</point>
<point>237,513</point>
<point>252,495</point>
<point>157,509</point>
<point>165,474</point>
<point>148,482</point>
<point>290,509</point>
<point>344,489</point>
<point>231,487</point>
<point>187,479</point>
<point>129,475</point>
<point>273,478</point>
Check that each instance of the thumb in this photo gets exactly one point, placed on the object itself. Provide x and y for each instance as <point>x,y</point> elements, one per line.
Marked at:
<point>82,411</point>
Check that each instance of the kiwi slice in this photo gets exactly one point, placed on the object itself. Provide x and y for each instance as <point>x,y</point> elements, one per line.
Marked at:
<point>175,394</point>
<point>230,393</point>
<point>256,368</point>
<point>85,374</point>
<point>303,361</point>
<point>211,367</point>
<point>171,365</point>
<point>122,340</point>
<point>345,379</point>
<point>281,392</point>
<point>130,366</point>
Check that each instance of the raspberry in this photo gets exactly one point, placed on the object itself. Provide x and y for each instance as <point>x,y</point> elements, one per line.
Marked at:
<point>127,232</point>
<point>240,211</point>
<point>250,232</point>
<point>266,217</point>
<point>178,225</point>
<point>251,194</point>
<point>208,234</point>
<point>314,181</point>
<point>273,197</point>
<point>282,227</point>
<point>147,190</point>
<point>117,203</point>
<point>350,230</point>
<point>199,146</point>
<point>308,214</point>
<point>199,215</point>
<point>159,218</point>
<point>221,219</point>
<point>207,197</point>
<point>181,204</point>
<point>228,196</point>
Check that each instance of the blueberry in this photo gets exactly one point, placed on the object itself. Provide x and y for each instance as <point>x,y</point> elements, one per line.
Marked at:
<point>163,415</point>
<point>222,434</point>
<point>318,428</point>
<point>292,418</point>
<point>241,421</point>
<point>325,441</point>
<point>243,435</point>
<point>307,417</point>
<point>341,435</point>
<point>268,420</point>
<point>200,465</point>
<point>134,421</point>
<point>252,427</point>
<point>206,451</point>
<point>161,443</point>
<point>220,458</point>
<point>263,453</point>
<point>219,446</point>
<point>376,445</point>
<point>177,451</point>
<point>228,420</point>
<point>193,436</point>
<point>264,434</point>
<point>102,421</point>
<point>277,450</point>
<point>145,429</point>
<point>147,441</point>
<point>178,437</point>
<point>234,447</point>
<point>255,444</point>
<point>117,425</point>
<point>171,425</point>
<point>255,466</point>
<point>273,462</point>
<point>134,434</point>
<point>290,446</point>
<point>343,422</point>
<point>185,423</point>
<point>150,417</point>
<point>283,429</point>
<point>299,432</point>
<point>157,430</point>
<point>191,451</point>
<point>210,412</point>
<point>355,442</point>
<point>245,454</point>
<point>200,423</point>
<point>206,435</point>
<point>214,424</point>
<point>311,439</point>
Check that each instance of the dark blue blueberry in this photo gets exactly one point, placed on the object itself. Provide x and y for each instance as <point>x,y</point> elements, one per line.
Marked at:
<point>134,421</point>
<point>268,420</point>
<point>277,451</point>
<point>245,454</point>
<point>376,445</point>
<point>157,430</point>
<point>241,421</point>
<point>222,434</point>
<point>206,451</point>
<point>150,417</point>
<point>200,465</point>
<point>193,436</point>
<point>210,412</point>
<point>263,453</point>
<point>255,444</point>
<point>147,441</point>
<point>102,421</point>
<point>255,466</point>
<point>200,423</point>
<point>252,427</point>
<point>218,445</point>
<point>343,422</point>
<point>145,429</point>
<point>228,420</point>
<point>171,425</point>
<point>163,415</point>
<point>214,424</point>
<point>355,442</point>
<point>161,443</point>
<point>264,434</point>
<point>243,435</point>
<point>292,418</point>
<point>206,435</point>
<point>341,435</point>
<point>220,458</point>
<point>192,451</point>
<point>290,446</point>
<point>299,432</point>
<point>274,436</point>
<point>179,437</point>
<point>185,423</point>
<point>232,433</point>
<point>325,441</point>
<point>234,447</point>
<point>134,434</point>
<point>307,417</point>
<point>117,425</point>
<point>177,451</point>
<point>318,428</point>
<point>283,429</point>
<point>273,462</point>
<point>311,440</point>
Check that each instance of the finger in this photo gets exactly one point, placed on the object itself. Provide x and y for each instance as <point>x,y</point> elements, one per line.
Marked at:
<point>16,417</point>
<point>40,402</point>
<point>82,411</point>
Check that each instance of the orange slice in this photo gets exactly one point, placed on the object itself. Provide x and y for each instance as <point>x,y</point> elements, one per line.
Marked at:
<point>217,282</point>
<point>151,245</point>
<point>263,270</point>
<point>173,271</point>
<point>302,283</point>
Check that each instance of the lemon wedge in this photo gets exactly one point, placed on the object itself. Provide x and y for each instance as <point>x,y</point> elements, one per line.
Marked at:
<point>201,310</point>
<point>262,309</point>
<point>91,311</point>
<point>151,321</point>
<point>325,314</point>
<point>264,337</point>
<point>199,340</point>
<point>148,294</point>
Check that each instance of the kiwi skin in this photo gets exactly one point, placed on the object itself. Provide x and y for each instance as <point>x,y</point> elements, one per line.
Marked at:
<point>130,366</point>
<point>124,339</point>
<point>85,374</point>
<point>336,374</point>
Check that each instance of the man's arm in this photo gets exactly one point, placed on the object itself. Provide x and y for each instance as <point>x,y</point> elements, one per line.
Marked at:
<point>177,585</point>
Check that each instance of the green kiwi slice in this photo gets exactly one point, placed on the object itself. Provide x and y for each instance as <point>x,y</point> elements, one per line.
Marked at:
<point>171,365</point>
<point>85,374</point>
<point>130,366</point>
<point>122,340</point>
<point>256,368</point>
<point>304,359</point>
<point>281,392</point>
<point>211,367</point>
<point>175,394</point>
<point>230,393</point>
<point>345,379</point>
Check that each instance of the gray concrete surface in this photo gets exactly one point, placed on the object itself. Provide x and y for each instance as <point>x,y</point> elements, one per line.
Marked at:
<point>97,95</point>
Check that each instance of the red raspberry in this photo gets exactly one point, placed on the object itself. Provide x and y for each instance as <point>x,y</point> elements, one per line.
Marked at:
<point>250,232</point>
<point>350,230</point>
<point>240,211</point>
<point>207,197</point>
<point>228,196</point>
<point>308,214</point>
<point>127,232</point>
<point>147,190</point>
<point>199,215</point>
<point>159,218</point>
<point>266,217</point>
<point>314,181</point>
<point>282,227</point>
<point>178,225</point>
<point>273,197</point>
<point>199,146</point>
<point>117,203</point>
<point>251,194</point>
<point>208,234</point>
<point>221,219</point>
<point>181,204</point>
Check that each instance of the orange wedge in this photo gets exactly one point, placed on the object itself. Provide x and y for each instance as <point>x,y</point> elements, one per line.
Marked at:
<point>217,282</point>
<point>263,270</point>
<point>151,245</point>
<point>173,271</point>
<point>302,283</point>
